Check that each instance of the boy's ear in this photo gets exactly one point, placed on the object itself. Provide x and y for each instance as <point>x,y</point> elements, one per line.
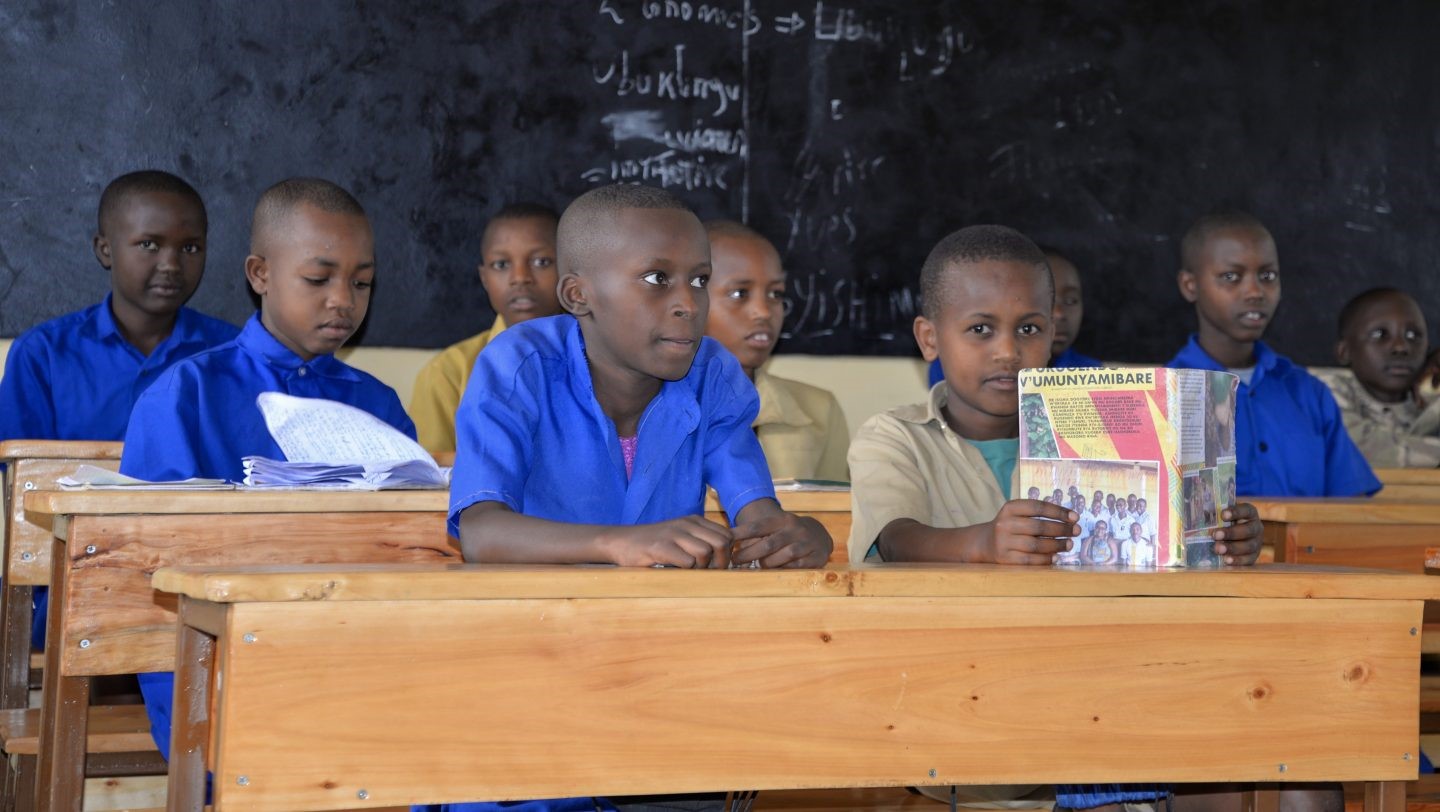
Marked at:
<point>257,273</point>
<point>1342,353</point>
<point>101,246</point>
<point>1188,288</point>
<point>572,294</point>
<point>928,338</point>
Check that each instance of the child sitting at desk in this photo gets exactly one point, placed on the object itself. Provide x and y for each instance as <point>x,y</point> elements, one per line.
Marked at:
<point>77,377</point>
<point>517,269</point>
<point>1066,317</point>
<point>312,262</point>
<point>1383,340</point>
<point>590,437</point>
<point>932,481</point>
<point>1290,439</point>
<point>801,427</point>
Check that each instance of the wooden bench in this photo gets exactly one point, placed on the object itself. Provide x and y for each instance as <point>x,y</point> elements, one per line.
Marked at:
<point>105,618</point>
<point>707,680</point>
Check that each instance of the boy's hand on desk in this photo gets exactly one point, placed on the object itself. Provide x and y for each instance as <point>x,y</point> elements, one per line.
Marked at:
<point>1240,542</point>
<point>690,542</point>
<point>1030,531</point>
<point>783,539</point>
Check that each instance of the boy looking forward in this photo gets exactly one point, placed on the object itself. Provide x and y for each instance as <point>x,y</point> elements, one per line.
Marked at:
<point>625,395</point>
<point>1290,439</point>
<point>517,270</point>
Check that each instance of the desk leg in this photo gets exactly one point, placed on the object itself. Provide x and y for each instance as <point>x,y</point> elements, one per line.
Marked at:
<point>1384,796</point>
<point>64,711</point>
<point>190,730</point>
<point>15,617</point>
<point>1262,798</point>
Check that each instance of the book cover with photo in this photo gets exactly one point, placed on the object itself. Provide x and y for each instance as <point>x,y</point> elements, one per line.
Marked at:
<point>1146,456</point>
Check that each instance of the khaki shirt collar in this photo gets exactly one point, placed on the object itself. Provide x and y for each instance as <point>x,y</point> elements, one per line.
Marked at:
<point>777,404</point>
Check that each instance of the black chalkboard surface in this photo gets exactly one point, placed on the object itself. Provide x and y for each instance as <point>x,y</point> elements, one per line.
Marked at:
<point>854,134</point>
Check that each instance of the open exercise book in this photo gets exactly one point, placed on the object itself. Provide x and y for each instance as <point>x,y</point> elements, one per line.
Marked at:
<point>333,445</point>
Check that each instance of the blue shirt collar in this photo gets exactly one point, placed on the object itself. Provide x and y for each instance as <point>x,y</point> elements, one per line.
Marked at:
<point>676,395</point>
<point>257,341</point>
<point>1193,356</point>
<point>103,320</point>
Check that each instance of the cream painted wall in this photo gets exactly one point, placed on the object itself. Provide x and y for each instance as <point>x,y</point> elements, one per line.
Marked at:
<point>864,386</point>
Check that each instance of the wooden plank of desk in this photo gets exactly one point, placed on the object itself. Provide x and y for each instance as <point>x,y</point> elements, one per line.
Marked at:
<point>129,628</point>
<point>39,507</point>
<point>431,700</point>
<point>59,450</point>
<point>1346,511</point>
<point>484,582</point>
<point>1408,476</point>
<point>28,549</point>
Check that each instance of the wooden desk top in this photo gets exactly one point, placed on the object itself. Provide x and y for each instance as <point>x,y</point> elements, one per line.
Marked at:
<point>59,450</point>
<point>477,582</point>
<point>42,506</point>
<point>801,502</point>
<point>1409,476</point>
<point>1345,511</point>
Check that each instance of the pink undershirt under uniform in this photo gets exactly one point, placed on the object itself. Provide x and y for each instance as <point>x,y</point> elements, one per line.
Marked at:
<point>628,446</point>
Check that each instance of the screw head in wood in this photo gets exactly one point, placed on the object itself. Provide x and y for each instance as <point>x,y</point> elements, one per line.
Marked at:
<point>362,795</point>
<point>1282,768</point>
<point>90,549</point>
<point>932,773</point>
<point>249,638</point>
<point>243,780</point>
<point>84,644</point>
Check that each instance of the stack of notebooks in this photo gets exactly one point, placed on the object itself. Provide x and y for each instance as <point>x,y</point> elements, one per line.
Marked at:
<point>332,445</point>
<point>327,445</point>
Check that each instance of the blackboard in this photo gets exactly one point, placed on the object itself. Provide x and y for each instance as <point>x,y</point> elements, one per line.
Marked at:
<point>855,134</point>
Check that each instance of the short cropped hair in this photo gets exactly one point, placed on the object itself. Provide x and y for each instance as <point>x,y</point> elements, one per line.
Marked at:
<point>732,229</point>
<point>1204,228</point>
<point>277,202</point>
<point>525,210</point>
<point>974,244</point>
<point>1351,310</point>
<point>146,180</point>
<point>580,226</point>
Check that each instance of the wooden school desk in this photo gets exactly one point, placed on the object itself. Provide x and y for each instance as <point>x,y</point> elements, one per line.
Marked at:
<point>105,619</point>
<point>340,687</point>
<point>1350,532</point>
<point>1412,484</point>
<point>31,465</point>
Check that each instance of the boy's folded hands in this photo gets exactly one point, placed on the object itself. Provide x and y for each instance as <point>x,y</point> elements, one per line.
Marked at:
<point>782,539</point>
<point>690,542</point>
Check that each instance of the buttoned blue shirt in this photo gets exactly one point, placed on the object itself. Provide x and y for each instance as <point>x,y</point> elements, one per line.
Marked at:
<point>77,378</point>
<point>531,435</point>
<point>1289,437</point>
<point>1069,359</point>
<point>199,419</point>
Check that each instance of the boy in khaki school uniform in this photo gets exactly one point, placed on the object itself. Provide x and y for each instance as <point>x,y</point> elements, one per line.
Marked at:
<point>800,427</point>
<point>932,481</point>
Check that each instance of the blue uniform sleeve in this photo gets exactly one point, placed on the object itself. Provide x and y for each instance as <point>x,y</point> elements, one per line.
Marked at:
<point>735,464</point>
<point>393,412</point>
<point>164,434</point>
<point>27,406</point>
<point>495,428</point>
<point>1347,473</point>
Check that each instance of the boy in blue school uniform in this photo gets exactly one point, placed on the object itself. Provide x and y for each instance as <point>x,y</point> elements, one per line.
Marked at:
<point>78,376</point>
<point>312,262</point>
<point>590,437</point>
<point>1066,317</point>
<point>1290,437</point>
